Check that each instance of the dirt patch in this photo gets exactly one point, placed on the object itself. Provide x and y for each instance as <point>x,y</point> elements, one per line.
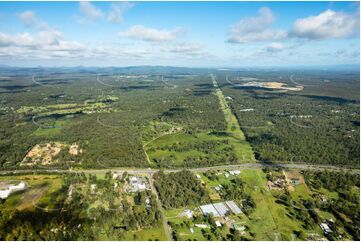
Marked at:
<point>75,150</point>
<point>42,153</point>
<point>273,84</point>
<point>281,86</point>
<point>30,197</point>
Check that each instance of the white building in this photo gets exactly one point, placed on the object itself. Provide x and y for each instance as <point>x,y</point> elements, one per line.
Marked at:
<point>187,213</point>
<point>233,207</point>
<point>235,172</point>
<point>5,193</point>
<point>325,228</point>
<point>93,188</point>
<point>138,184</point>
<point>247,110</point>
<point>221,209</point>
<point>203,226</point>
<point>209,209</point>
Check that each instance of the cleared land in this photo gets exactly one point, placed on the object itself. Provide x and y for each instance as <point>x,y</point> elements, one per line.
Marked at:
<point>242,148</point>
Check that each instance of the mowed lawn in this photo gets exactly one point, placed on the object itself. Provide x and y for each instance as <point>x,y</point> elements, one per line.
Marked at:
<point>155,233</point>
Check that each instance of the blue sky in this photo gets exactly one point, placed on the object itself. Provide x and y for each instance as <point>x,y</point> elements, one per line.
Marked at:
<point>204,34</point>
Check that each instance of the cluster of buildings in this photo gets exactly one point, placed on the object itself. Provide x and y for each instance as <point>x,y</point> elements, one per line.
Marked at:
<point>6,189</point>
<point>137,183</point>
<point>221,209</point>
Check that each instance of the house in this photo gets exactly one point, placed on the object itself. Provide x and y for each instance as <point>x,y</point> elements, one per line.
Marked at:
<point>235,172</point>
<point>295,181</point>
<point>203,226</point>
<point>147,203</point>
<point>218,224</point>
<point>116,176</point>
<point>187,213</point>
<point>325,228</point>
<point>93,188</point>
<point>138,184</point>
<point>198,176</point>
<point>247,110</point>
<point>240,228</point>
<point>191,229</point>
<point>141,186</point>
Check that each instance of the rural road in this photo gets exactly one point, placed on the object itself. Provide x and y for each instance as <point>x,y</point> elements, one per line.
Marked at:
<point>160,206</point>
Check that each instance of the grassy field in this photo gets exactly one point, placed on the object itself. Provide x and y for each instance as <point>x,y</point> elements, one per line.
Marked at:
<point>269,221</point>
<point>40,189</point>
<point>158,149</point>
<point>156,233</point>
<point>241,147</point>
<point>50,131</point>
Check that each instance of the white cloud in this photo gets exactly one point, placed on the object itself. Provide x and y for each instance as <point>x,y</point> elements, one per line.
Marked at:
<point>28,18</point>
<point>89,12</point>
<point>274,47</point>
<point>341,53</point>
<point>44,44</point>
<point>117,11</point>
<point>186,48</point>
<point>257,28</point>
<point>150,34</point>
<point>328,24</point>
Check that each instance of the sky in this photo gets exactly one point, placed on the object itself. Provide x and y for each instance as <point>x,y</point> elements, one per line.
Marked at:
<point>194,34</point>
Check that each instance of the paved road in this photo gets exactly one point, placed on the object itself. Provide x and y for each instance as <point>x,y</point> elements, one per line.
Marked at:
<point>245,166</point>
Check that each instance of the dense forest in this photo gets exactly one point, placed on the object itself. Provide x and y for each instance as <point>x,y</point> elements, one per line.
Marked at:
<point>180,189</point>
<point>112,115</point>
<point>300,126</point>
<point>109,118</point>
